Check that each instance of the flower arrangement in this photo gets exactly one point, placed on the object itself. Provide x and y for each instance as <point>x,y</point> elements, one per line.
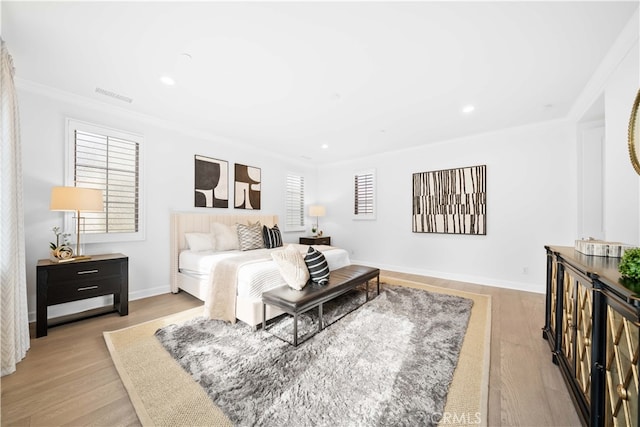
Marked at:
<point>60,250</point>
<point>630,264</point>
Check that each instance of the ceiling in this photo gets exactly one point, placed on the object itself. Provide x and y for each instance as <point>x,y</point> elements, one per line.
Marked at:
<point>360,77</point>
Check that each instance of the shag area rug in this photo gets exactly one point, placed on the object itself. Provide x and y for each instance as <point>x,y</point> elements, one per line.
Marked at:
<point>389,362</point>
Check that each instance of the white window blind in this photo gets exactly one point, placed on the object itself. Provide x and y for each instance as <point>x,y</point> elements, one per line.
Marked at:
<point>364,206</point>
<point>108,160</point>
<point>294,203</point>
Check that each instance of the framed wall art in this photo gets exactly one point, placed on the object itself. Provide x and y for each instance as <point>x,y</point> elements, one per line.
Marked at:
<point>451,201</point>
<point>211,183</point>
<point>247,187</point>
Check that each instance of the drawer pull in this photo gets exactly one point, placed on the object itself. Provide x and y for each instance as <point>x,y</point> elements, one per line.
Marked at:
<point>87,288</point>
<point>87,272</point>
<point>622,392</point>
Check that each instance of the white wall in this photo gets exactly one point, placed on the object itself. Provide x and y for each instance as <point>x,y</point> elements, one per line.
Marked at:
<point>168,183</point>
<point>531,200</point>
<point>621,183</point>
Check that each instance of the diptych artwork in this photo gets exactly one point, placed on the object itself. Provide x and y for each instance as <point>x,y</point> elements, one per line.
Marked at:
<point>247,187</point>
<point>211,183</point>
<point>452,201</point>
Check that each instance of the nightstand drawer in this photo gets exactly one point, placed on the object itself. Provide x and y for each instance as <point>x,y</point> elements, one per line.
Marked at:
<point>325,240</point>
<point>83,271</point>
<point>80,289</point>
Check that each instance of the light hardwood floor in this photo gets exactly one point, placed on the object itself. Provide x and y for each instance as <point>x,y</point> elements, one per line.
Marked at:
<point>68,378</point>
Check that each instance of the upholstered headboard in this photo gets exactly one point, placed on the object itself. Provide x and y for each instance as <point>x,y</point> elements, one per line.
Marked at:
<point>192,222</point>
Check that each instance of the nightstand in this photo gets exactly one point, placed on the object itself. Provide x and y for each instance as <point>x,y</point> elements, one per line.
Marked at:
<point>77,280</point>
<point>321,240</point>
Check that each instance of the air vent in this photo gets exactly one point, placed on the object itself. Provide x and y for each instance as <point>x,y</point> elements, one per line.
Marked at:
<point>114,95</point>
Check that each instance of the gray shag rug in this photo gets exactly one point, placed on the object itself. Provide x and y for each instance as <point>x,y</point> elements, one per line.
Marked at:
<point>390,362</point>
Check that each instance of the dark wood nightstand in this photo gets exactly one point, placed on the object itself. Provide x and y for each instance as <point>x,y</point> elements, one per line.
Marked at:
<point>77,280</point>
<point>321,240</point>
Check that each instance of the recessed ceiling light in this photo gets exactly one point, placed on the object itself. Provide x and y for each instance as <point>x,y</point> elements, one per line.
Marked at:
<point>167,80</point>
<point>324,146</point>
<point>468,108</point>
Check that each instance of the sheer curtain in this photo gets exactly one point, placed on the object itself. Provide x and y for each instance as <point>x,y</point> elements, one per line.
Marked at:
<point>14,315</point>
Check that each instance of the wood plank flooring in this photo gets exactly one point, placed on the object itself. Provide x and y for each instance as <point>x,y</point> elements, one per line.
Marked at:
<point>68,378</point>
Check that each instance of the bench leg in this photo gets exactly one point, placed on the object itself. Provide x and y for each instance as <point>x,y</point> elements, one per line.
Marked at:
<point>320,326</point>
<point>378,281</point>
<point>264,317</point>
<point>295,329</point>
<point>366,297</point>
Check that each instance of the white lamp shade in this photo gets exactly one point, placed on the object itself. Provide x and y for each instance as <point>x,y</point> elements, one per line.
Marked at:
<point>76,199</point>
<point>317,210</point>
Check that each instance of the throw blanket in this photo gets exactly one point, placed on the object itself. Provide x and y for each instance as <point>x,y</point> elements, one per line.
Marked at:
<point>223,280</point>
<point>220,303</point>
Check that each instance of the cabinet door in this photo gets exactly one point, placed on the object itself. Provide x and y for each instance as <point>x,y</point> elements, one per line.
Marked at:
<point>577,329</point>
<point>584,310</point>
<point>621,367</point>
<point>568,317</point>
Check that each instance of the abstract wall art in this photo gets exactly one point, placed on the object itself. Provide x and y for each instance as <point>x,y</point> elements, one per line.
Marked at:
<point>211,183</point>
<point>451,201</point>
<point>247,187</point>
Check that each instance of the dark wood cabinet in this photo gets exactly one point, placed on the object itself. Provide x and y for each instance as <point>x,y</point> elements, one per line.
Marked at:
<point>321,240</point>
<point>592,324</point>
<point>77,280</point>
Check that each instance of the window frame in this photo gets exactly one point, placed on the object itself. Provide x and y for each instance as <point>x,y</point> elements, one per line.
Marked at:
<point>71,126</point>
<point>364,216</point>
<point>294,227</point>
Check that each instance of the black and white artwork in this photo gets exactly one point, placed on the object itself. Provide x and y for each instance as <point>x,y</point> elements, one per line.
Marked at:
<point>451,201</point>
<point>247,187</point>
<point>211,183</point>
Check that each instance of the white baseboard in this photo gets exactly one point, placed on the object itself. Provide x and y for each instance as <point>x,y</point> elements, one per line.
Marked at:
<point>478,280</point>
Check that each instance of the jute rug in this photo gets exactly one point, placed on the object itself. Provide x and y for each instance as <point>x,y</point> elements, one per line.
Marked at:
<point>164,394</point>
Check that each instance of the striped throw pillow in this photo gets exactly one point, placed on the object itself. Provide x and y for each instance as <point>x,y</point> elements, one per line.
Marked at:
<point>250,236</point>
<point>317,265</point>
<point>272,237</point>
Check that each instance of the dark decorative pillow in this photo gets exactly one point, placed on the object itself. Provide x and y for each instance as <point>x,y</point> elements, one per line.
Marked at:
<point>317,265</point>
<point>250,236</point>
<point>272,237</point>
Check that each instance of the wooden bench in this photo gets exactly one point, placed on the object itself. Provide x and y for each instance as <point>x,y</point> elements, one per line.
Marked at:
<point>295,302</point>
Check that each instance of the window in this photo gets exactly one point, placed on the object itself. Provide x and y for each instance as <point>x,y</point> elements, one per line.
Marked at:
<point>109,160</point>
<point>294,203</point>
<point>364,200</point>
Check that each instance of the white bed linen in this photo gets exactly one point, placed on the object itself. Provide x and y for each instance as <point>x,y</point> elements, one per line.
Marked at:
<point>254,278</point>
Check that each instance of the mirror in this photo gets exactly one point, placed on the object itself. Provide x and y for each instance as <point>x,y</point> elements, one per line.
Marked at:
<point>634,135</point>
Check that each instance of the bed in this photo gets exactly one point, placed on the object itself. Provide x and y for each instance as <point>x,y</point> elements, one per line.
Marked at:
<point>191,270</point>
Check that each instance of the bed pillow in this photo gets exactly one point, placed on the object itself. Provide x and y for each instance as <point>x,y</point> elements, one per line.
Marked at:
<point>226,237</point>
<point>317,265</point>
<point>250,236</point>
<point>200,241</point>
<point>292,267</point>
<point>272,237</point>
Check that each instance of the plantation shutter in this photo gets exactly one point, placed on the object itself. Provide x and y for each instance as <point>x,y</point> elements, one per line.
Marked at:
<point>364,195</point>
<point>112,165</point>
<point>294,201</point>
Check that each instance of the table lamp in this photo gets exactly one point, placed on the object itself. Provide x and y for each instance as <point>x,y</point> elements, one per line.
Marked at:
<point>317,211</point>
<point>76,199</point>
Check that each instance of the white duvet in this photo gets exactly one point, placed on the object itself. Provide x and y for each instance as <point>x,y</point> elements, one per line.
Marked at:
<point>257,277</point>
